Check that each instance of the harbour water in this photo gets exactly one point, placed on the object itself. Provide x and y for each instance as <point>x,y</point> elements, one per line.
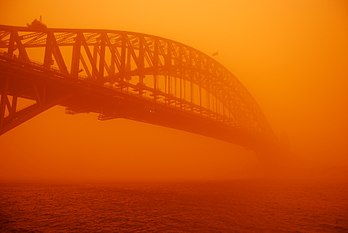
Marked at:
<point>234,206</point>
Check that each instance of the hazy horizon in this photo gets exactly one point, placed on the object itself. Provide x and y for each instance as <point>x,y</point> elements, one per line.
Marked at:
<point>292,56</point>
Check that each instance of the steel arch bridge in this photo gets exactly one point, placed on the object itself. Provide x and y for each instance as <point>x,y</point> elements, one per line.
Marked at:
<point>124,74</point>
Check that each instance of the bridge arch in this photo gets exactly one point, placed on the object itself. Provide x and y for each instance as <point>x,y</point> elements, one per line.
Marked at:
<point>160,72</point>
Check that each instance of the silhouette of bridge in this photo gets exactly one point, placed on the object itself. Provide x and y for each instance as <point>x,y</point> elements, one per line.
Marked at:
<point>120,74</point>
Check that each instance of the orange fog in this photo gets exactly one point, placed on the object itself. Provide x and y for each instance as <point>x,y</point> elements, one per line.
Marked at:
<point>291,55</point>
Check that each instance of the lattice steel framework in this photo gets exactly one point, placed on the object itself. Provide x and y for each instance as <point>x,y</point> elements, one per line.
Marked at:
<point>137,65</point>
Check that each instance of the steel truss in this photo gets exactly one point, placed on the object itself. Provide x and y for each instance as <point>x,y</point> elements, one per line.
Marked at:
<point>159,71</point>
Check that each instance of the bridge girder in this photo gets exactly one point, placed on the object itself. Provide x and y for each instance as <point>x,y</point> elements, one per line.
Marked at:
<point>147,67</point>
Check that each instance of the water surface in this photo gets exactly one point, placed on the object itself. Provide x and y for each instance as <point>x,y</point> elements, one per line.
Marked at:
<point>236,206</point>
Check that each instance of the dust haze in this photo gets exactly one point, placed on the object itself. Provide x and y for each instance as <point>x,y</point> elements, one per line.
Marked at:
<point>292,56</point>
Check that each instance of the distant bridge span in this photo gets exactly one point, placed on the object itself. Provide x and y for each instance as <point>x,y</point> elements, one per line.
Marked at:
<point>120,74</point>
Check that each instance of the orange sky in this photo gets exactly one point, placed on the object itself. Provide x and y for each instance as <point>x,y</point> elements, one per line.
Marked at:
<point>291,55</point>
